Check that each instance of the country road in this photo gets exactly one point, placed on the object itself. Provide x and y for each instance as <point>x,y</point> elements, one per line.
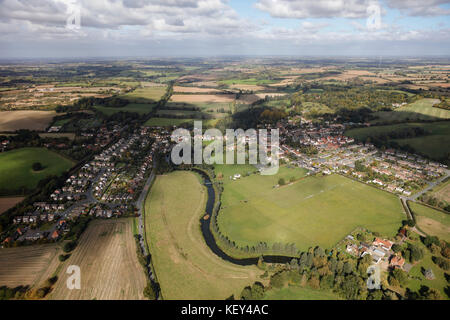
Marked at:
<point>140,204</point>
<point>431,185</point>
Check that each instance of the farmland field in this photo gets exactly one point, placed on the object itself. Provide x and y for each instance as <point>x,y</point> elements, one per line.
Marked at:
<point>106,255</point>
<point>8,202</point>
<point>185,266</point>
<point>312,211</point>
<point>299,293</point>
<point>141,108</point>
<point>179,89</point>
<point>16,170</point>
<point>431,221</point>
<point>165,122</point>
<point>31,120</point>
<point>145,95</point>
<point>193,98</point>
<point>442,192</point>
<point>419,110</point>
<point>434,144</point>
<point>29,265</point>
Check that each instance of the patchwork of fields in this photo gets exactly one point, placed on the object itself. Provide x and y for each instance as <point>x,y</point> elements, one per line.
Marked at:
<point>313,211</point>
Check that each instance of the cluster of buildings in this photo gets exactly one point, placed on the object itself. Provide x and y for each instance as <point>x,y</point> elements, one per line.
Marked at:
<point>394,171</point>
<point>104,187</point>
<point>380,250</point>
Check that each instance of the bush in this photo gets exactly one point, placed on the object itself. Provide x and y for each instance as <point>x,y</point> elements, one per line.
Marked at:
<point>69,246</point>
<point>149,291</point>
<point>63,257</point>
<point>281,182</point>
<point>278,280</point>
<point>442,263</point>
<point>37,166</point>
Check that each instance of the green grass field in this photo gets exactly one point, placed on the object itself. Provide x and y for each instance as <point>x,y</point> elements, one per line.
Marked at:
<point>435,144</point>
<point>16,171</point>
<point>416,279</point>
<point>186,268</point>
<point>432,222</point>
<point>165,122</point>
<point>299,293</point>
<point>313,211</point>
<point>143,95</point>
<point>419,110</point>
<point>141,108</point>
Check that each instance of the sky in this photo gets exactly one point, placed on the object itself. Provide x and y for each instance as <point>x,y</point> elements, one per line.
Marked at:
<point>204,28</point>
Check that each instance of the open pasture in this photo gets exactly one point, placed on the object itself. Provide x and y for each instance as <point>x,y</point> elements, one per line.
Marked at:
<point>141,108</point>
<point>185,266</point>
<point>146,94</point>
<point>16,171</point>
<point>312,211</point>
<point>431,221</point>
<point>419,110</point>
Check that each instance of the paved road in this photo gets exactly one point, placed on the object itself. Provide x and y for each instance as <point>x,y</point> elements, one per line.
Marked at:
<point>431,185</point>
<point>140,203</point>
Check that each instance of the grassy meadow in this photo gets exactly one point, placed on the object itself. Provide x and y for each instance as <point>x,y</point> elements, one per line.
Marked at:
<point>419,110</point>
<point>431,221</point>
<point>16,170</point>
<point>312,211</point>
<point>434,144</point>
<point>186,268</point>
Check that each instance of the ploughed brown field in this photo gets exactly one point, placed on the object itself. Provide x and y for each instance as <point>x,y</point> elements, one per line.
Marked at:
<point>192,98</point>
<point>179,89</point>
<point>106,255</point>
<point>28,266</point>
<point>8,202</point>
<point>29,119</point>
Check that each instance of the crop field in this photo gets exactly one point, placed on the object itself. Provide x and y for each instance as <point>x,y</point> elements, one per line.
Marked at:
<point>29,119</point>
<point>251,81</point>
<point>194,98</point>
<point>432,222</point>
<point>312,211</point>
<point>29,265</point>
<point>141,108</point>
<point>435,144</point>
<point>186,268</point>
<point>419,110</point>
<point>16,170</point>
<point>179,89</point>
<point>110,270</point>
<point>8,202</point>
<point>146,94</point>
<point>299,293</point>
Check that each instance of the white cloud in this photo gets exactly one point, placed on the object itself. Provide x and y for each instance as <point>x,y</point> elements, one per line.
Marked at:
<point>314,8</point>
